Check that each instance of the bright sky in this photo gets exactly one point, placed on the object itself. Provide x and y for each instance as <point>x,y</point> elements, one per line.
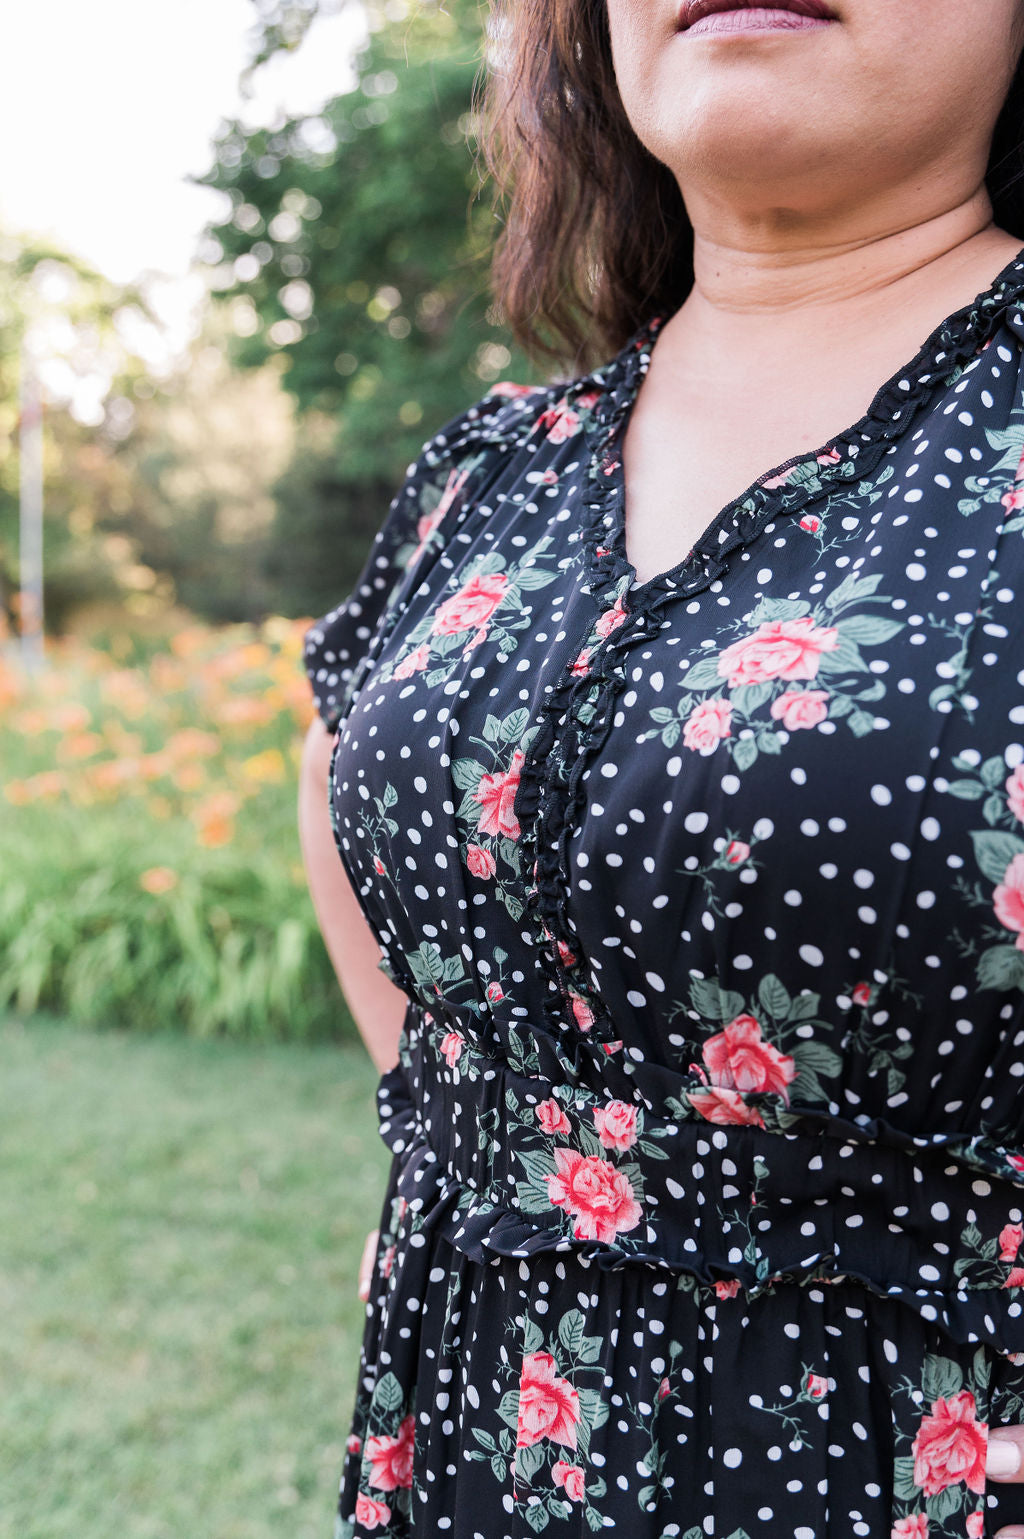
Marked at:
<point>107,105</point>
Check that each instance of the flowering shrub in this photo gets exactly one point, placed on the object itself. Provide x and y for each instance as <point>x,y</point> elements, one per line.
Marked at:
<point>148,839</point>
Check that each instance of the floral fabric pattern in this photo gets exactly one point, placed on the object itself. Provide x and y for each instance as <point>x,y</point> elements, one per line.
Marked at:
<point>706,1208</point>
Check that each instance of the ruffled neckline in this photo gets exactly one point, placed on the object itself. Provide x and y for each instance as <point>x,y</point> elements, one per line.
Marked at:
<point>893,409</point>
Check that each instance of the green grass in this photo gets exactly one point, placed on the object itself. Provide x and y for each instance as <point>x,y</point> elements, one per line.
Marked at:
<point>181,1225</point>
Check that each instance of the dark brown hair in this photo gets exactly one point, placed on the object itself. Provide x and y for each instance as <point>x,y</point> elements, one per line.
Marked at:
<point>595,236</point>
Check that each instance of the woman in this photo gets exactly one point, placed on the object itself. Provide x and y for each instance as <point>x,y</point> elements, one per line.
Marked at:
<point>684,799</point>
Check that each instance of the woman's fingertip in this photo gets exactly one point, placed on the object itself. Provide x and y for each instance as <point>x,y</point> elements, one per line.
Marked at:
<point>1002,1460</point>
<point>1010,1533</point>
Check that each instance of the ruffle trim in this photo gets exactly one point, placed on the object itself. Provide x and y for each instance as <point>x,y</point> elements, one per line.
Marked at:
<point>486,1233</point>
<point>893,410</point>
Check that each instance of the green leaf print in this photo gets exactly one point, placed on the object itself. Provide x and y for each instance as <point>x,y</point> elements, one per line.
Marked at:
<point>967,790</point>
<point>713,1002</point>
<point>995,851</point>
<point>868,630</point>
<point>570,1331</point>
<point>537,1515</point>
<point>749,698</point>
<point>777,610</point>
<point>774,997</point>
<point>533,1337</point>
<point>529,1461</point>
<point>484,1439</point>
<point>744,753</point>
<point>805,1007</point>
<point>499,1467</point>
<point>861,723</point>
<point>703,675</point>
<point>851,589</point>
<point>903,1486</point>
<point>993,772</point>
<point>942,1377</point>
<point>387,1395</point>
<point>466,773</point>
<point>1001,967</point>
<point>843,658</point>
<point>944,1503</point>
<point>818,1058</point>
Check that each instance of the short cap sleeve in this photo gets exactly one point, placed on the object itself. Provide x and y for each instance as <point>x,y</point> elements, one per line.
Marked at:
<point>453,465</point>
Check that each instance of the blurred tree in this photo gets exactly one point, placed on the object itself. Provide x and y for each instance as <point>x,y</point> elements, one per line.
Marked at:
<point>354,250</point>
<point>204,451</point>
<point>78,326</point>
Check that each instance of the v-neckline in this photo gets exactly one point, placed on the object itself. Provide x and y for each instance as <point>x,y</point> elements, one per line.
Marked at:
<point>891,410</point>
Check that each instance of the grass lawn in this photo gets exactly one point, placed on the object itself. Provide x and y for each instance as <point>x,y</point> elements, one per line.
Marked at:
<point>181,1225</point>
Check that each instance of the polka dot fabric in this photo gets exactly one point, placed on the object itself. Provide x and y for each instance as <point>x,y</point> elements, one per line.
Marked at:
<point>705,1214</point>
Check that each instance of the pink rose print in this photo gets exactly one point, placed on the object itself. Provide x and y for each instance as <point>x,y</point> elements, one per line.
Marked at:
<point>505,387</point>
<point>378,865</point>
<point>801,708</point>
<point>950,1446</point>
<point>1014,499</point>
<point>476,640</point>
<point>391,1458</point>
<point>815,1386</point>
<point>429,522</point>
<point>707,724</point>
<point>582,1012</point>
<point>736,852</point>
<point>915,1527</point>
<point>480,861</point>
<point>581,667</point>
<point>496,795</point>
<point>780,649</point>
<point>414,663</point>
<point>495,993</point>
<point>811,522</point>
<point>611,619</point>
<point>830,457</point>
<point>738,1058</point>
<point>1015,793</point>
<point>771,482</point>
<point>1016,1162</point>
<point>587,400</point>
<point>727,1288</point>
<point>595,1194</point>
<point>561,422</point>
<point>571,1478</point>
<point>1010,1238</point>
<point>725,1107</point>
<point>353,1444</point>
<point>975,1525</point>
<point>1015,1278</point>
<point>862,994</point>
<point>387,1261</point>
<point>664,1389</point>
<point>552,1118</point>
<point>472,606</point>
<point>548,1406</point>
<point>1008,899</point>
<point>451,1046</point>
<point>565,956</point>
<point>370,1513</point>
<point>616,1125</point>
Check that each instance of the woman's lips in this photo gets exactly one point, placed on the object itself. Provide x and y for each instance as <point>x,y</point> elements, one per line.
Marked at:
<point>756,19</point>
<point>740,15</point>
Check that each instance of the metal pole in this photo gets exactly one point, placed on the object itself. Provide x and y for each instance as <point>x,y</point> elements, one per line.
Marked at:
<point>30,529</point>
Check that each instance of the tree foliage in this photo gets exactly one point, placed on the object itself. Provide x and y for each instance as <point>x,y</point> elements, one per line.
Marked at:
<point>355,247</point>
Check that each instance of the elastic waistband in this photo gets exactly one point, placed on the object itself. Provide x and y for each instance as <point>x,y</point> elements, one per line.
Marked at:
<point>517,1164</point>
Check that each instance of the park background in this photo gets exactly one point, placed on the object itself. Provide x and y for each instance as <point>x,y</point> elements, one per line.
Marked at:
<point>189,1154</point>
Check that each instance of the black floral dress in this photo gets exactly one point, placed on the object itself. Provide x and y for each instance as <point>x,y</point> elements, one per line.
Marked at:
<point>707,893</point>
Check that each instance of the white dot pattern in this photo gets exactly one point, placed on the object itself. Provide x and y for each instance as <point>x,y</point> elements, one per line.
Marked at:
<point>707,894</point>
